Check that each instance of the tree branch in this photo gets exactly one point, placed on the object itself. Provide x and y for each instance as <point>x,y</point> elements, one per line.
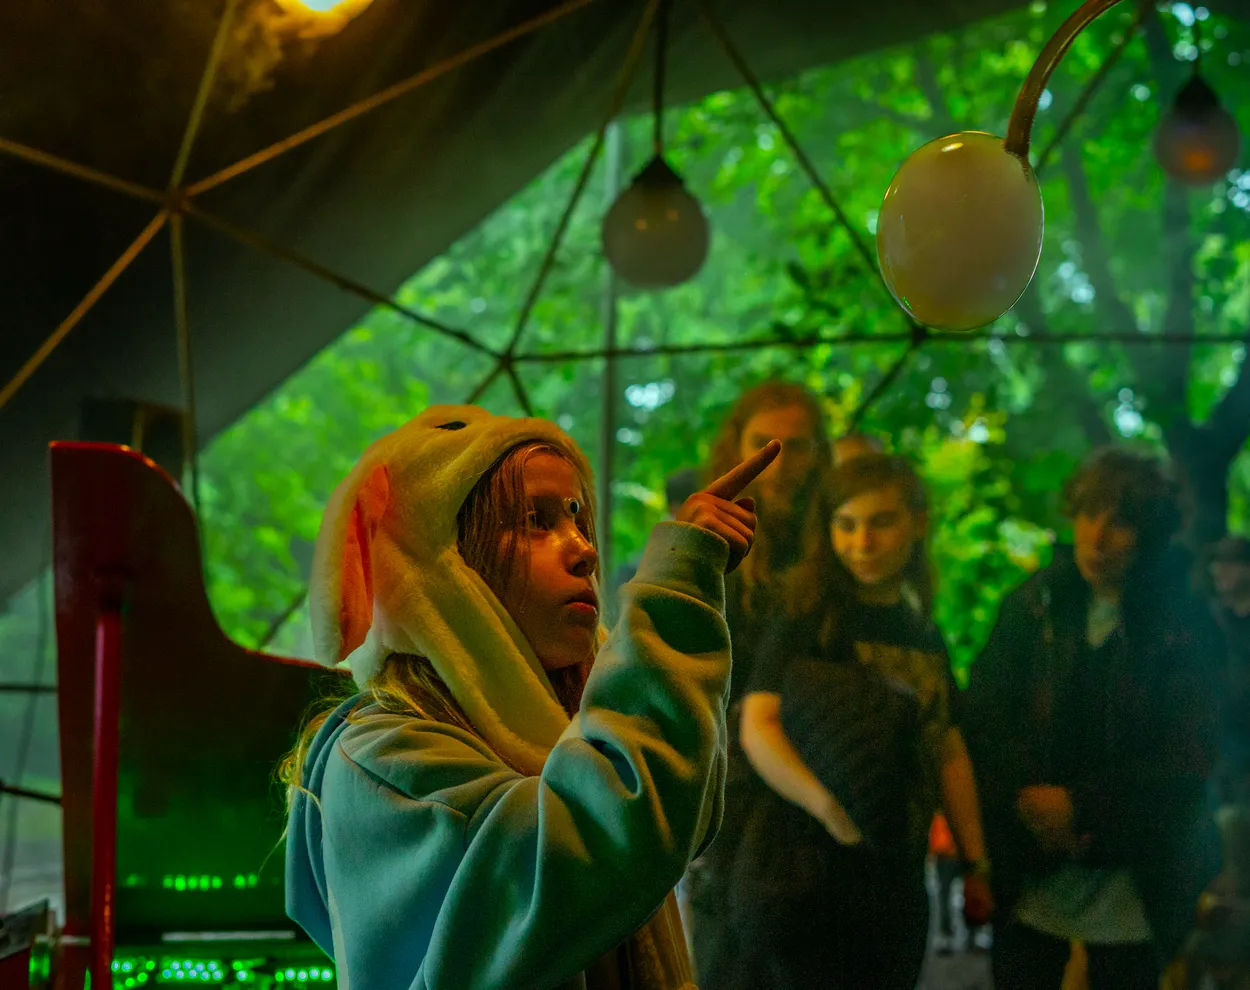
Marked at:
<point>923,126</point>
<point>1167,71</point>
<point>931,88</point>
<point>1096,259</point>
<point>856,112</point>
<point>1060,375</point>
<point>1229,422</point>
<point>1178,317</point>
<point>1170,365</point>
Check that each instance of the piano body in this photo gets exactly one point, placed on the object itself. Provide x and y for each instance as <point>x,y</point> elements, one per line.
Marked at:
<point>170,736</point>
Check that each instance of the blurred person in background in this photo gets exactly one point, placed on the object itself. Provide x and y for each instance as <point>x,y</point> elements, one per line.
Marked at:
<point>782,581</point>
<point>1093,723</point>
<point>849,720</point>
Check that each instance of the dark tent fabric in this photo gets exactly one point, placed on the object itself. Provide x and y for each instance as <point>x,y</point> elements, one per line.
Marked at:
<point>110,86</point>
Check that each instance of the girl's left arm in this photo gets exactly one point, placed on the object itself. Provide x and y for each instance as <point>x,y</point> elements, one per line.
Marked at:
<point>959,798</point>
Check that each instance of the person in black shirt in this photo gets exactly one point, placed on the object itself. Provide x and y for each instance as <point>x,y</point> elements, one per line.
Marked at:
<point>791,551</point>
<point>1093,723</point>
<point>1229,570</point>
<point>849,721</point>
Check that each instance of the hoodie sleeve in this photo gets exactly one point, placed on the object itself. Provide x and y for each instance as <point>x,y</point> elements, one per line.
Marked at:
<point>464,874</point>
<point>1149,796</point>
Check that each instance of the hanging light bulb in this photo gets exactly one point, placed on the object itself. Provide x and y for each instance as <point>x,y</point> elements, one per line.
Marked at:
<point>655,235</point>
<point>1197,140</point>
<point>960,231</point>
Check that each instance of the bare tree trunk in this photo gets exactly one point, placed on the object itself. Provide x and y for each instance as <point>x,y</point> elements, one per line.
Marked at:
<point>1203,473</point>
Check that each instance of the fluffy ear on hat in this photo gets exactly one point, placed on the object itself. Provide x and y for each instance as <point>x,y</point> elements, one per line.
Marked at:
<point>343,566</point>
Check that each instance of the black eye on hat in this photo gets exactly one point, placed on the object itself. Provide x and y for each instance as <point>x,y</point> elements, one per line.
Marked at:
<point>455,424</point>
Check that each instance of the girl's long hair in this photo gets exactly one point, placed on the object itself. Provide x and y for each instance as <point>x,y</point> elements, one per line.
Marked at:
<point>408,685</point>
<point>797,585</point>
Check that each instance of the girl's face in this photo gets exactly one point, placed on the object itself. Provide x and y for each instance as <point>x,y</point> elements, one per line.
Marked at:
<point>874,534</point>
<point>793,426</point>
<point>552,596</point>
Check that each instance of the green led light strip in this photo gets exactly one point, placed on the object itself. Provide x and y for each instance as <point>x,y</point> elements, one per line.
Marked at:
<point>132,972</point>
<point>204,881</point>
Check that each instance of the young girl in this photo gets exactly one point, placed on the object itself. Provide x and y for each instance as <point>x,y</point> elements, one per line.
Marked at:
<point>501,807</point>
<point>849,714</point>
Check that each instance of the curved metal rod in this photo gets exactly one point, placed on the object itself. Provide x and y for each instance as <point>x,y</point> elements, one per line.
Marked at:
<point>1020,128</point>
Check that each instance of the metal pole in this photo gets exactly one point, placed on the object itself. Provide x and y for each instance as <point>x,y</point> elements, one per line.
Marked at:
<point>186,369</point>
<point>613,159</point>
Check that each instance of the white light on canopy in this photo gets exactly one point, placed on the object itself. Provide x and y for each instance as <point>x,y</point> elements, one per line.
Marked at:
<point>960,230</point>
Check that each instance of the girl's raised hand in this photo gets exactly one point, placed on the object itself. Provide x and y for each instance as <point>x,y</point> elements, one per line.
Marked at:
<point>719,510</point>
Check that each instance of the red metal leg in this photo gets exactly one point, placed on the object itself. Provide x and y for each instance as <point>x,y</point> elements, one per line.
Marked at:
<point>15,971</point>
<point>70,965</point>
<point>104,795</point>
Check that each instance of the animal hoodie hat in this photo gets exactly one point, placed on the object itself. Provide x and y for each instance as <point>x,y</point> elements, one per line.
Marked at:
<point>388,577</point>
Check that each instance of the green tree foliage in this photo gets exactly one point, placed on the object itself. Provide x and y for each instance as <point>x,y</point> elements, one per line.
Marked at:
<point>996,425</point>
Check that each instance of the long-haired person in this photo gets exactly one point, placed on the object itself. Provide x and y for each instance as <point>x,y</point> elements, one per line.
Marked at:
<point>850,721</point>
<point>779,582</point>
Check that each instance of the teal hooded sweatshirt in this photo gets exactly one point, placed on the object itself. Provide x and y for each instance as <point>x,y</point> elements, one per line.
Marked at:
<point>418,858</point>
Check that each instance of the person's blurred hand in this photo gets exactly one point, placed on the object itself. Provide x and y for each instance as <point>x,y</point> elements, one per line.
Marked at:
<point>1047,812</point>
<point>978,899</point>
